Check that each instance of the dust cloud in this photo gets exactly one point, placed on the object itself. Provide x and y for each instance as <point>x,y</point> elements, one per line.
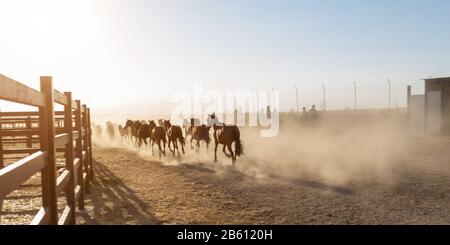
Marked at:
<point>339,148</point>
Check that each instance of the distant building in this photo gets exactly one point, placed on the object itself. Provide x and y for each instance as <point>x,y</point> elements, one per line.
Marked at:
<point>430,113</point>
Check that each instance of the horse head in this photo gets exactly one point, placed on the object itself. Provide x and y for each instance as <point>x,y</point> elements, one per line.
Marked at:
<point>152,124</point>
<point>161,122</point>
<point>138,124</point>
<point>129,123</point>
<point>167,124</point>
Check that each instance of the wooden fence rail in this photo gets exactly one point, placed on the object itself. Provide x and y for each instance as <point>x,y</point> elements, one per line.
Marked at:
<point>53,132</point>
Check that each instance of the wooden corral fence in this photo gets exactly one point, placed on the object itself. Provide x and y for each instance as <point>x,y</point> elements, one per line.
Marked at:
<point>41,134</point>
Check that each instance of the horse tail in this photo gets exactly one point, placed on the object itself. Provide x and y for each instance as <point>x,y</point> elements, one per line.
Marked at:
<point>239,144</point>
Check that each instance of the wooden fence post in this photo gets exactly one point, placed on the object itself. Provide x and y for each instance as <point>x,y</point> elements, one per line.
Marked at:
<point>79,150</point>
<point>47,125</point>
<point>2,164</point>
<point>91,173</point>
<point>85,148</point>
<point>29,137</point>
<point>47,144</point>
<point>68,127</point>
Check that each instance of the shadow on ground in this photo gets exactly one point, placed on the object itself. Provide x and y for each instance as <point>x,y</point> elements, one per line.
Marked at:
<point>111,201</point>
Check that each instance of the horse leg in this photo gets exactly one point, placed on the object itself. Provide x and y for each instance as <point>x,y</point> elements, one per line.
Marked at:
<point>224,151</point>
<point>175,143</point>
<point>192,138</point>
<point>160,150</point>
<point>174,146</point>
<point>153,148</point>
<point>182,145</point>
<point>164,142</point>
<point>198,146</point>
<point>233,157</point>
<point>215,150</point>
<point>159,147</point>
<point>168,144</point>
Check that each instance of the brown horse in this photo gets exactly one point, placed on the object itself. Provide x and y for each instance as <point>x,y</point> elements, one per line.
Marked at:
<point>143,133</point>
<point>123,131</point>
<point>199,133</point>
<point>174,134</point>
<point>110,130</point>
<point>226,135</point>
<point>97,129</point>
<point>133,127</point>
<point>158,135</point>
<point>189,125</point>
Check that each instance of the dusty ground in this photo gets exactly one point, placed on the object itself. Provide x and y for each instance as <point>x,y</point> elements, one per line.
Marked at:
<point>357,174</point>
<point>131,190</point>
<point>20,206</point>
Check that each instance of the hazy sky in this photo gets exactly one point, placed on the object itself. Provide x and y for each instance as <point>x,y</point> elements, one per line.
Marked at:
<point>113,52</point>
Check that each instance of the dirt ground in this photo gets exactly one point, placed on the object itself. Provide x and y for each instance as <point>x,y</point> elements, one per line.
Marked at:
<point>20,206</point>
<point>363,173</point>
<point>131,190</point>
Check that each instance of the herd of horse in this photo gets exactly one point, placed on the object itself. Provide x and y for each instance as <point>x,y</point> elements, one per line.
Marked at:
<point>148,133</point>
